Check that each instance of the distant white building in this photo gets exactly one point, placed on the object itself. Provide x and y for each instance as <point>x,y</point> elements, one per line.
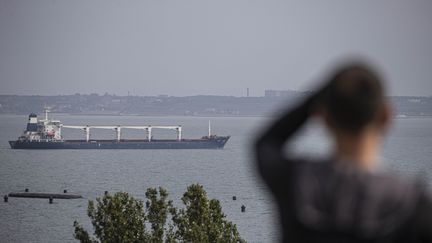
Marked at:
<point>278,93</point>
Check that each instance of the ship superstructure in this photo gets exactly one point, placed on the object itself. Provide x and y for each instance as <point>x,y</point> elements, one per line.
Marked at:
<point>47,134</point>
<point>44,129</point>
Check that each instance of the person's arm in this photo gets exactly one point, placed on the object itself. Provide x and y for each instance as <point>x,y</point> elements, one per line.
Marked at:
<point>423,218</point>
<point>273,165</point>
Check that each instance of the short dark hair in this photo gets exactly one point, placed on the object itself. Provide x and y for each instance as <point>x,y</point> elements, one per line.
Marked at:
<point>354,95</point>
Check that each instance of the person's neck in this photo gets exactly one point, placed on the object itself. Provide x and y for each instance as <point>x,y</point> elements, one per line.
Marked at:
<point>361,149</point>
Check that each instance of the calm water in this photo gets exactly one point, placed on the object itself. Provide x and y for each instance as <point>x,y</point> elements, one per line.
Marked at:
<point>224,173</point>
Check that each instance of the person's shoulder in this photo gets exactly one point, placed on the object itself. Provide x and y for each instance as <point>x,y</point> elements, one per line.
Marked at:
<point>387,193</point>
<point>401,203</point>
<point>392,190</point>
<point>389,184</point>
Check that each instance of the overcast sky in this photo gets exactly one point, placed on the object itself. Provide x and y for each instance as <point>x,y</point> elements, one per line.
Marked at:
<point>220,47</point>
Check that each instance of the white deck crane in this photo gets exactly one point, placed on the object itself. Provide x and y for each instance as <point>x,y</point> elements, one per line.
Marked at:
<point>119,128</point>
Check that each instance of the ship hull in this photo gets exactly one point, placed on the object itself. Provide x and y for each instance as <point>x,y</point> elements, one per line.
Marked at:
<point>205,143</point>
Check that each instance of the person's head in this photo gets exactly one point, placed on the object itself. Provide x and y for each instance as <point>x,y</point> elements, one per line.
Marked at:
<point>354,102</point>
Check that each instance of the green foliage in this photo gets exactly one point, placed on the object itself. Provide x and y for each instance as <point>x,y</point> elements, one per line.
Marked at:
<point>81,234</point>
<point>203,220</point>
<point>122,218</point>
<point>157,207</point>
<point>117,218</point>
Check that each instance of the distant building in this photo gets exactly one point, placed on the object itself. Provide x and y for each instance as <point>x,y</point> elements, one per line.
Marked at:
<point>278,93</point>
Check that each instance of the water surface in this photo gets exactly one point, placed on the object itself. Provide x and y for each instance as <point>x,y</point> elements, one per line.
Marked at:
<point>224,173</point>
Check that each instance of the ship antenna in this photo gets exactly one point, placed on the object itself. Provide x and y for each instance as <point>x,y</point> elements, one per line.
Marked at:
<point>209,129</point>
<point>46,113</point>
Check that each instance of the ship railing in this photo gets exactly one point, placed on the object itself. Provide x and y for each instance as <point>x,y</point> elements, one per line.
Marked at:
<point>46,140</point>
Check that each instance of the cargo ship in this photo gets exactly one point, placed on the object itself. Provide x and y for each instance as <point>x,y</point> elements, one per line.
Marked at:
<point>46,134</point>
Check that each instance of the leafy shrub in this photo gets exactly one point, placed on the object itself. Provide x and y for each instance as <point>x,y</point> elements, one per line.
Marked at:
<point>122,218</point>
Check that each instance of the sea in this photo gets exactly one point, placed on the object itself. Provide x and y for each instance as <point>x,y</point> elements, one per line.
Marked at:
<point>224,173</point>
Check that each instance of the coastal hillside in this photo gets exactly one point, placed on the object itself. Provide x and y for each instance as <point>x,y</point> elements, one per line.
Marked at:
<point>200,105</point>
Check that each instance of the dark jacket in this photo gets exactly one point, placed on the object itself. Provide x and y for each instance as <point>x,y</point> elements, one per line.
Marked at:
<point>322,201</point>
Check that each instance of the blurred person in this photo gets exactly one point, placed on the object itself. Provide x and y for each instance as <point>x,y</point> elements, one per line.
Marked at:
<point>342,198</point>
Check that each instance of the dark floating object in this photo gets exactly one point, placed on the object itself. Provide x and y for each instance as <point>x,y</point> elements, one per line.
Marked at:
<point>64,191</point>
<point>43,195</point>
<point>234,198</point>
<point>6,198</point>
<point>26,190</point>
<point>51,199</point>
<point>243,208</point>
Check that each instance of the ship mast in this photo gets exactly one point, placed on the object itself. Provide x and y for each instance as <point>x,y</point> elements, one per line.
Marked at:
<point>46,109</point>
<point>209,129</point>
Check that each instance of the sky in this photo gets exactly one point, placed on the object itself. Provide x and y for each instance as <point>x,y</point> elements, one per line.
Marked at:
<point>219,47</point>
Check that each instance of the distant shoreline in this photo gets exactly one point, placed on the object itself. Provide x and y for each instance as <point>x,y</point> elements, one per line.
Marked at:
<point>198,116</point>
<point>193,106</point>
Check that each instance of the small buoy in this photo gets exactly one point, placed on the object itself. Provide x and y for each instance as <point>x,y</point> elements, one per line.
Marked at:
<point>6,198</point>
<point>26,190</point>
<point>51,200</point>
<point>106,192</point>
<point>243,208</point>
<point>234,198</point>
<point>64,191</point>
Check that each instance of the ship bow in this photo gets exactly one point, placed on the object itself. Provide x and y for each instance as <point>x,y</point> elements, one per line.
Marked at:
<point>12,144</point>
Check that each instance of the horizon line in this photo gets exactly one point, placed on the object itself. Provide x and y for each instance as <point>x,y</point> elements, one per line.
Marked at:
<point>181,96</point>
